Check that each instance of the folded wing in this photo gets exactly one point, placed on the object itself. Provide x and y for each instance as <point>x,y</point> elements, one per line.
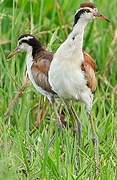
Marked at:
<point>40,70</point>
<point>89,66</point>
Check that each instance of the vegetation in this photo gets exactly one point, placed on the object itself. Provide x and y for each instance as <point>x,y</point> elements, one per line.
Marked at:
<point>33,157</point>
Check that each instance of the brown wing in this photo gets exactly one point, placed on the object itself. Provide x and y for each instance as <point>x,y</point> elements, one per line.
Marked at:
<point>40,69</point>
<point>89,66</point>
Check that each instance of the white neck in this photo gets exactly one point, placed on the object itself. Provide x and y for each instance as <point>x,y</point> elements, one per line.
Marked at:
<point>28,49</point>
<point>29,58</point>
<point>73,45</point>
<point>77,34</point>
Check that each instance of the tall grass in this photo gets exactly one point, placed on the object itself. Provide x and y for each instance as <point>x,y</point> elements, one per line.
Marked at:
<point>33,157</point>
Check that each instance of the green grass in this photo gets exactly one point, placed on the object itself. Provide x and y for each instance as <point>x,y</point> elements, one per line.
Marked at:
<point>32,157</point>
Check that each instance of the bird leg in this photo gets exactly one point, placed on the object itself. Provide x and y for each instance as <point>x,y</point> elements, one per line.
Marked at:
<point>60,121</point>
<point>77,124</point>
<point>76,121</point>
<point>42,113</point>
<point>95,143</point>
<point>88,99</point>
<point>40,117</point>
<point>78,131</point>
<point>60,117</point>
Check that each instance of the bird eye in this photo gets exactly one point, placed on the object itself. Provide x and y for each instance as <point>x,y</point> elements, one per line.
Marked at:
<point>87,10</point>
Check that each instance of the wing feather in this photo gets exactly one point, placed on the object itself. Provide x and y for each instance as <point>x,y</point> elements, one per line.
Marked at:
<point>40,70</point>
<point>89,66</point>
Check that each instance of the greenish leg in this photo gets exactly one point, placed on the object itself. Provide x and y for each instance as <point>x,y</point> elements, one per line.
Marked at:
<point>78,132</point>
<point>96,144</point>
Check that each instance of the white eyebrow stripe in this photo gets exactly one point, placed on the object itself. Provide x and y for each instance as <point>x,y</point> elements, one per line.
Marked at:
<point>26,38</point>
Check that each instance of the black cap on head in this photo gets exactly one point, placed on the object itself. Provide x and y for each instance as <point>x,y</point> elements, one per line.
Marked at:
<point>31,41</point>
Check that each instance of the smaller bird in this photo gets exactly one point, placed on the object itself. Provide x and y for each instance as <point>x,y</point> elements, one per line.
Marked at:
<point>38,60</point>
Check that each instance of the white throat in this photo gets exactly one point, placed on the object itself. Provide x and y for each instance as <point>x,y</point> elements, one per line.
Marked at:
<point>29,60</point>
<point>71,49</point>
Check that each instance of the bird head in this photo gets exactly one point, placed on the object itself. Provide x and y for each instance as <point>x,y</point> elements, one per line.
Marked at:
<point>27,43</point>
<point>87,12</point>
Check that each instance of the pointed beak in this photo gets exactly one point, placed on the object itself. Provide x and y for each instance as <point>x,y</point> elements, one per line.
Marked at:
<point>13,53</point>
<point>100,16</point>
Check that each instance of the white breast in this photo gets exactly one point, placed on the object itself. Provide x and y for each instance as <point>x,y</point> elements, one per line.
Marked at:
<point>65,75</point>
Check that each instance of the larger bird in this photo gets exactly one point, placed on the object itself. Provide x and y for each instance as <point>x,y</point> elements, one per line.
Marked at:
<point>70,76</point>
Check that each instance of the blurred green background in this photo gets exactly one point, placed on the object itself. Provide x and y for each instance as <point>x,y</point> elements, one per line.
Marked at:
<point>32,157</point>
